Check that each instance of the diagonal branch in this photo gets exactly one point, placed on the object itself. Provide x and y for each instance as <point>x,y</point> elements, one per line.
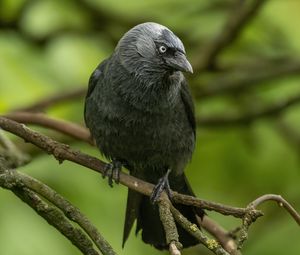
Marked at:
<point>240,16</point>
<point>72,213</point>
<point>57,98</point>
<point>211,244</point>
<point>50,213</point>
<point>56,218</point>
<point>62,152</point>
<point>221,235</point>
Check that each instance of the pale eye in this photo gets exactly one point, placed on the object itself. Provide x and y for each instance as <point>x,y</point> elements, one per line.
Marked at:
<point>162,49</point>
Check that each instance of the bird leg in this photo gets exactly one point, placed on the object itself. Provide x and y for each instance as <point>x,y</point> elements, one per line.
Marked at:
<point>163,184</point>
<point>112,171</point>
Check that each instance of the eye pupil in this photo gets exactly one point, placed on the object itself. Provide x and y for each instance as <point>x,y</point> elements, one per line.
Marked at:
<point>162,49</point>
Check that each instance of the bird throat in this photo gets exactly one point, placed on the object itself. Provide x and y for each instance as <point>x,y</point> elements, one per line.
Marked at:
<point>148,91</point>
<point>157,93</point>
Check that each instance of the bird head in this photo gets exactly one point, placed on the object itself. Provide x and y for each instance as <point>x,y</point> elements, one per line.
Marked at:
<point>151,48</point>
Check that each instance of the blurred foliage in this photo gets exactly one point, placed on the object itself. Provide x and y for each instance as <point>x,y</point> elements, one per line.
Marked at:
<point>50,46</point>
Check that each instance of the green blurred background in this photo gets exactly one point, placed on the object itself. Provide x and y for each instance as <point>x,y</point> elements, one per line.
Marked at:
<point>51,46</point>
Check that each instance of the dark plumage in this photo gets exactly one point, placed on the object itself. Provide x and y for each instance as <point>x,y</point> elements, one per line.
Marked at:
<point>140,112</point>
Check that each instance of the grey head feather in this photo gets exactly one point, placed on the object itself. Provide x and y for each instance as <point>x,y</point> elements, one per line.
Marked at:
<point>150,79</point>
<point>137,49</point>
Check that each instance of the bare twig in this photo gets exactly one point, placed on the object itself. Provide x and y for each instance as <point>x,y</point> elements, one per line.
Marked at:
<point>12,153</point>
<point>65,127</point>
<point>241,15</point>
<point>253,75</point>
<point>193,229</point>
<point>222,235</point>
<point>60,97</point>
<point>173,249</point>
<point>169,225</point>
<point>281,202</point>
<point>246,118</point>
<point>249,218</point>
<point>212,206</point>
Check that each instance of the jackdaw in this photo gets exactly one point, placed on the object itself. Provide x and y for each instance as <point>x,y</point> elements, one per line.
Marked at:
<point>140,112</point>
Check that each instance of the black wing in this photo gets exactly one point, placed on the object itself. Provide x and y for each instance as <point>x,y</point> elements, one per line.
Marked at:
<point>95,77</point>
<point>188,104</point>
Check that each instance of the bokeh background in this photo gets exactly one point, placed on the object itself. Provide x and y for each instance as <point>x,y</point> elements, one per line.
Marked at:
<point>51,46</point>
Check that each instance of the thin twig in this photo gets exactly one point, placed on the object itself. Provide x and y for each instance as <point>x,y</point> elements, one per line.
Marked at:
<point>169,225</point>
<point>253,75</point>
<point>220,234</point>
<point>237,212</point>
<point>57,98</point>
<point>270,110</point>
<point>241,15</point>
<point>12,153</point>
<point>281,202</point>
<point>193,229</point>
<point>249,218</point>
<point>74,130</point>
<point>173,249</point>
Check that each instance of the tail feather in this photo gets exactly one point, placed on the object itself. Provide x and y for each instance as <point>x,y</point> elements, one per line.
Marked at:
<point>132,211</point>
<point>148,221</point>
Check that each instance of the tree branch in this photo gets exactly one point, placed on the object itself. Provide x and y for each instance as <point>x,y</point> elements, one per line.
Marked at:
<point>55,99</point>
<point>281,202</point>
<point>11,153</point>
<point>50,213</point>
<point>211,244</point>
<point>83,134</point>
<point>63,152</point>
<point>253,75</point>
<point>62,126</point>
<point>270,110</point>
<point>222,235</point>
<point>169,225</point>
<point>71,212</point>
<point>241,15</point>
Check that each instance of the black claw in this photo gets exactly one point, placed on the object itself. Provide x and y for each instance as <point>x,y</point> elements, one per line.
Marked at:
<point>107,169</point>
<point>112,171</point>
<point>163,184</point>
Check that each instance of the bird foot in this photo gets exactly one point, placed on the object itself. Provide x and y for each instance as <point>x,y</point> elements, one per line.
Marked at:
<point>112,171</point>
<point>163,184</point>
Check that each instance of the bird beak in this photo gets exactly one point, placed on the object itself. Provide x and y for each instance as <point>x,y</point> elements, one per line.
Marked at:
<point>179,62</point>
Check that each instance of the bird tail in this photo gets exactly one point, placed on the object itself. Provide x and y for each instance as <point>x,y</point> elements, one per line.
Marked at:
<point>148,221</point>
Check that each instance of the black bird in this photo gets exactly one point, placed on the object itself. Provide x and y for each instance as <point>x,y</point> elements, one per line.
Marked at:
<point>140,112</point>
